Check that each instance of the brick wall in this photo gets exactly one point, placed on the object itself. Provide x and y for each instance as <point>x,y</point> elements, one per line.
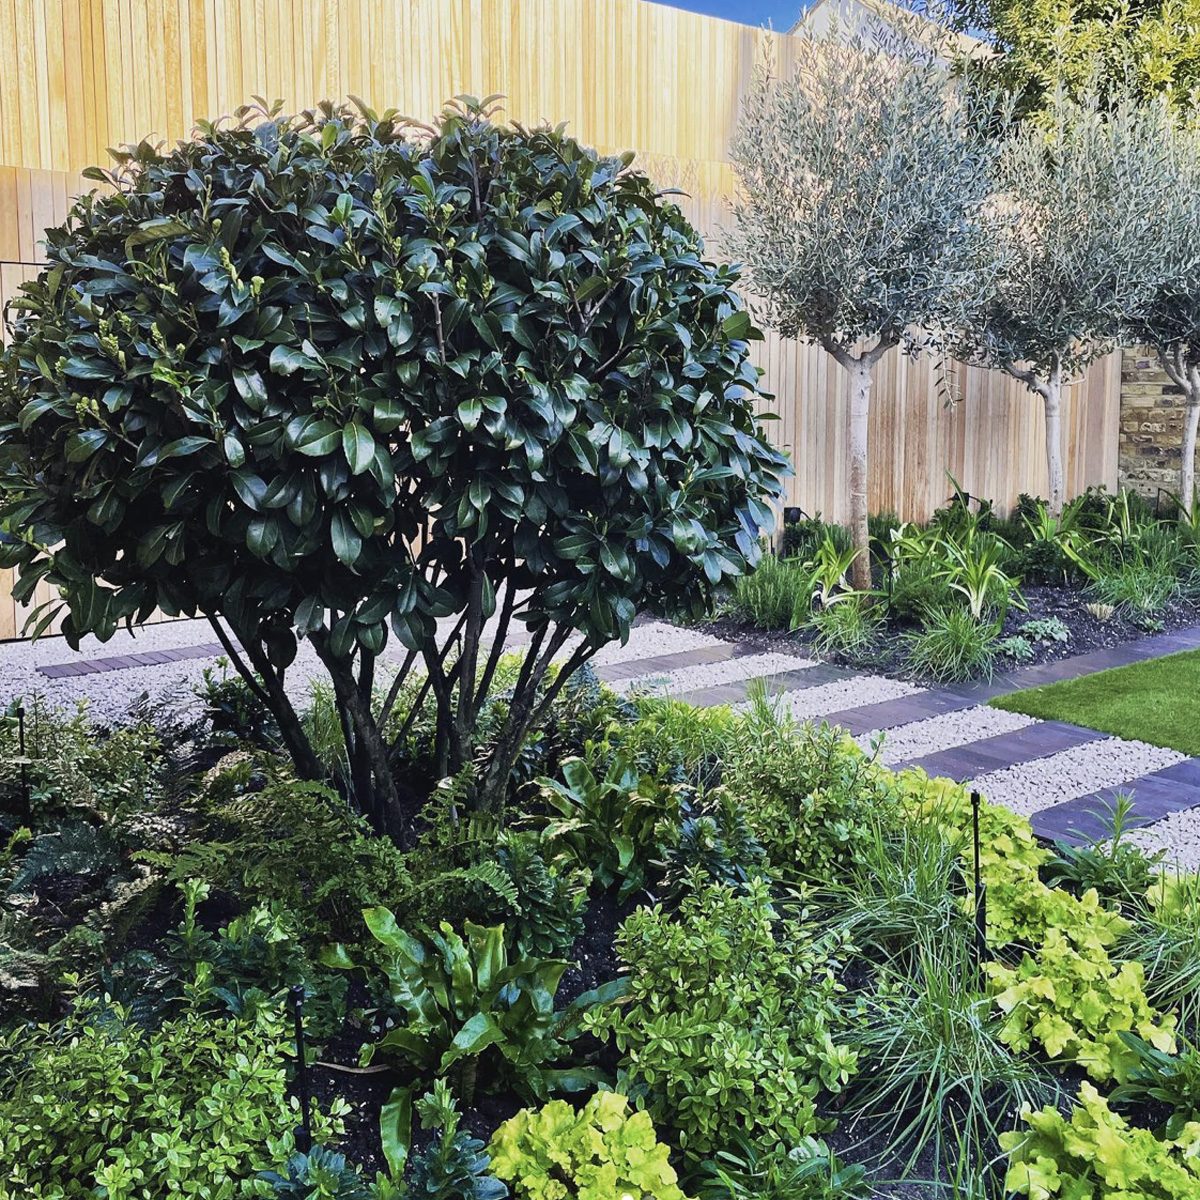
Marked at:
<point>1151,427</point>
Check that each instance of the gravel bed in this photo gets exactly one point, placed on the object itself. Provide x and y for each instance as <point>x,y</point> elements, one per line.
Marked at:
<point>110,694</point>
<point>686,679</point>
<point>1178,836</point>
<point>944,732</point>
<point>815,702</point>
<point>650,640</point>
<point>1043,782</point>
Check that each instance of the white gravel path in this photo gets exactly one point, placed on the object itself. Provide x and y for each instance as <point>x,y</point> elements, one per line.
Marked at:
<point>1108,762</point>
<point>651,640</point>
<point>1177,835</point>
<point>109,694</point>
<point>943,732</point>
<point>702,675</point>
<point>815,702</point>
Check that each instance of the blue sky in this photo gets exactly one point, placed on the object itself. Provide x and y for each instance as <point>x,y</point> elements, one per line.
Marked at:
<point>780,13</point>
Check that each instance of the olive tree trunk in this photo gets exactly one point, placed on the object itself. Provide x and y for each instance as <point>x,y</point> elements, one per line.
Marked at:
<point>1056,479</point>
<point>861,367</point>
<point>1186,377</point>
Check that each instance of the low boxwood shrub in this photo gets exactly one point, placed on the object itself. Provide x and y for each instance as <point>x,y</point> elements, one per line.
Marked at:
<point>97,1106</point>
<point>731,1020</point>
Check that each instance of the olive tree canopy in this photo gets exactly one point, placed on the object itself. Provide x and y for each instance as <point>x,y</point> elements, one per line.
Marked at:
<point>1167,315</point>
<point>342,378</point>
<point>1076,204</point>
<point>863,175</point>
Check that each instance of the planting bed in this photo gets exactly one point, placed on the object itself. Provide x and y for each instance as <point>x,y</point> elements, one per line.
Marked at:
<point>768,938</point>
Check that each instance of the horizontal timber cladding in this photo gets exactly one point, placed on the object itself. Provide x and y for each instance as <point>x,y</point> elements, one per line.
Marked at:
<point>78,76</point>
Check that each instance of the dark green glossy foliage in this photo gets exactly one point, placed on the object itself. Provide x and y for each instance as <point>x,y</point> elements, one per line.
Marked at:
<point>334,373</point>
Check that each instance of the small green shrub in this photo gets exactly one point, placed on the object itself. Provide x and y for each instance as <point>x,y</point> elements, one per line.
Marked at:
<point>458,999</point>
<point>605,816</point>
<point>809,1170</point>
<point>953,646</point>
<point>774,595</point>
<point>801,538</point>
<point>917,588</point>
<point>1016,649</point>
<point>1047,630</point>
<point>1117,869</point>
<point>453,1165</point>
<point>97,1106</point>
<point>848,628</point>
<point>810,798</point>
<point>599,1152</point>
<point>318,1175</point>
<point>548,915</point>
<point>711,843</point>
<point>1094,1154</point>
<point>731,1021</point>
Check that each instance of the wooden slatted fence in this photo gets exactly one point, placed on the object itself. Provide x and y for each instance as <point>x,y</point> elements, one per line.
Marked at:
<point>77,76</point>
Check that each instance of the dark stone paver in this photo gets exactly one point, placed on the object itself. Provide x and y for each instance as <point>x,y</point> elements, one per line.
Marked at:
<point>662,663</point>
<point>1156,795</point>
<point>737,690</point>
<point>887,714</point>
<point>1005,750</point>
<point>124,662</point>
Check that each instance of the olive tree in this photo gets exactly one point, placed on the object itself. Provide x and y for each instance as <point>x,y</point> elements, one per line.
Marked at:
<point>1166,314</point>
<point>863,175</point>
<point>342,378</point>
<point>1074,206</point>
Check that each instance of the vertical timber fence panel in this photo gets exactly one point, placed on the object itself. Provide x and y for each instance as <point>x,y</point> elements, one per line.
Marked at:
<point>78,76</point>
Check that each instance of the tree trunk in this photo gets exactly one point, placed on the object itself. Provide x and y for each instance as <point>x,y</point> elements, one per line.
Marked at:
<point>860,410</point>
<point>1052,400</point>
<point>1187,468</point>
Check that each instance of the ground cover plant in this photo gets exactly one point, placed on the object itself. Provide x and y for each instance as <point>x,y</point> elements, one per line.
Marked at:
<point>1154,701</point>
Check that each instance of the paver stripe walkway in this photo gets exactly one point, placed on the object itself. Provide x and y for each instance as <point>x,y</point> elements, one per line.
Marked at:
<point>125,662</point>
<point>664,663</point>
<point>1005,750</point>
<point>1156,795</point>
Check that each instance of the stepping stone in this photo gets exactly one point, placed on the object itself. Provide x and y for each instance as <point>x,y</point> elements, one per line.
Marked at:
<point>663,663</point>
<point>886,714</point>
<point>1089,818</point>
<point>736,691</point>
<point>1004,750</point>
<point>126,662</point>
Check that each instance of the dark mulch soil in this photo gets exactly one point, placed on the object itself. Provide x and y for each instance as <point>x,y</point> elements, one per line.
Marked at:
<point>594,950</point>
<point>886,655</point>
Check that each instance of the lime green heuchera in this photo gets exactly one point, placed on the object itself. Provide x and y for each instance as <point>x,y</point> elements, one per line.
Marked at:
<point>1095,1155</point>
<point>1066,993</point>
<point>600,1152</point>
<point>1077,1005</point>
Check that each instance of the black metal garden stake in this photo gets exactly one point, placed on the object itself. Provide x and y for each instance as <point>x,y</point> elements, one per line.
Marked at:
<point>304,1129</point>
<point>981,946</point>
<point>24,763</point>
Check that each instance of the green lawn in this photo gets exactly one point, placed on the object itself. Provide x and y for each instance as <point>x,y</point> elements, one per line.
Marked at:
<point>1156,701</point>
